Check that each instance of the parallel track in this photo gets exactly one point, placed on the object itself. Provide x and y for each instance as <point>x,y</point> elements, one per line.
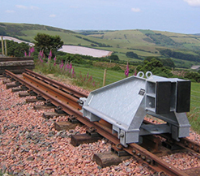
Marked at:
<point>56,84</point>
<point>66,98</point>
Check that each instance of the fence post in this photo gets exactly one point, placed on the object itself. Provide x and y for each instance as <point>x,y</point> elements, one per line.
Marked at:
<point>104,77</point>
<point>2,45</point>
<point>6,50</point>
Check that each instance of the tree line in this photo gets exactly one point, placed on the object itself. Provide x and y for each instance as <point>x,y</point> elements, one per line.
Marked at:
<point>94,43</point>
<point>179,55</point>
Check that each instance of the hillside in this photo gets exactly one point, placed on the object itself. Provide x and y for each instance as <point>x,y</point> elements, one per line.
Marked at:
<point>180,47</point>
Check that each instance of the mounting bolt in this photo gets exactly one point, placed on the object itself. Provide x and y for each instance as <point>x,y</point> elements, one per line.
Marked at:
<point>119,146</point>
<point>121,135</point>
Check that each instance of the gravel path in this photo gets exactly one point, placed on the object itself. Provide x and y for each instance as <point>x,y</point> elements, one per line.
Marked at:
<point>29,145</point>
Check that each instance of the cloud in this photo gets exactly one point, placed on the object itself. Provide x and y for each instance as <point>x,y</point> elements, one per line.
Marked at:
<point>193,2</point>
<point>34,8</point>
<point>9,11</point>
<point>26,7</point>
<point>21,7</point>
<point>135,9</point>
<point>52,15</point>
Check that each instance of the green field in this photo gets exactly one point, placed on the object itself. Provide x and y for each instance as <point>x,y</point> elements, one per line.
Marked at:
<point>142,42</point>
<point>98,74</point>
<point>194,114</point>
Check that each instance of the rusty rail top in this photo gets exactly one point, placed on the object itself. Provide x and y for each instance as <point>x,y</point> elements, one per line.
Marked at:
<point>56,84</point>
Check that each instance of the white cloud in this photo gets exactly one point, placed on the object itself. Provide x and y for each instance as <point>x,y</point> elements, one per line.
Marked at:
<point>135,9</point>
<point>52,15</point>
<point>26,7</point>
<point>193,2</point>
<point>21,7</point>
<point>9,11</point>
<point>34,8</point>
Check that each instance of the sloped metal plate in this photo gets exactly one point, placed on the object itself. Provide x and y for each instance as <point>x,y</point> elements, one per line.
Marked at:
<point>117,102</point>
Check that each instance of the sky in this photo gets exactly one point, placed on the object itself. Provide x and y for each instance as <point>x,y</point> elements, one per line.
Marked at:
<point>180,16</point>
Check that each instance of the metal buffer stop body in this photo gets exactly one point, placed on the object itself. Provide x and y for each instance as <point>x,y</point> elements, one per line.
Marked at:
<point>125,103</point>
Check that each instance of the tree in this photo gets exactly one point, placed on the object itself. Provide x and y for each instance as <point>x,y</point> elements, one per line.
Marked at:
<point>17,49</point>
<point>131,54</point>
<point>114,57</point>
<point>193,76</point>
<point>46,43</point>
<point>2,31</point>
<point>168,62</point>
<point>155,66</point>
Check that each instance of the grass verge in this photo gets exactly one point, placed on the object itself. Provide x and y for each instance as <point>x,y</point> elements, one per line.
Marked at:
<point>194,114</point>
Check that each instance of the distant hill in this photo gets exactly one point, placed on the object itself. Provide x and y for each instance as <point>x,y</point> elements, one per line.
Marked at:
<point>20,29</point>
<point>155,39</point>
<point>184,49</point>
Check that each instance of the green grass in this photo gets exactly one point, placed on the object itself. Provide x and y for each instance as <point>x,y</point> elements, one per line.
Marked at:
<point>68,38</point>
<point>98,74</point>
<point>194,114</point>
<point>86,76</point>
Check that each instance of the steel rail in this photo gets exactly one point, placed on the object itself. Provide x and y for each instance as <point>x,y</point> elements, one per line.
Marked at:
<point>184,142</point>
<point>37,86</point>
<point>190,144</point>
<point>54,92</point>
<point>137,151</point>
<point>56,84</point>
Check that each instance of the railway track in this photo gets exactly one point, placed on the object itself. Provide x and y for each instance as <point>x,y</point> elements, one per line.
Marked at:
<point>16,64</point>
<point>67,100</point>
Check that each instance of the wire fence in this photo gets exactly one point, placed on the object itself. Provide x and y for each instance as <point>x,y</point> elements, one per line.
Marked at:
<point>98,74</point>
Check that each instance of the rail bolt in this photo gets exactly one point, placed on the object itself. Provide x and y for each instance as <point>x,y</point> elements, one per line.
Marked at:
<point>134,151</point>
<point>59,108</point>
<point>161,173</point>
<point>119,146</point>
<point>148,161</point>
<point>143,157</point>
<point>138,154</point>
<point>91,130</point>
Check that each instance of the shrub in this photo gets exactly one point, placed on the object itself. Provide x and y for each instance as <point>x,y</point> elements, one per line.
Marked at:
<point>193,76</point>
